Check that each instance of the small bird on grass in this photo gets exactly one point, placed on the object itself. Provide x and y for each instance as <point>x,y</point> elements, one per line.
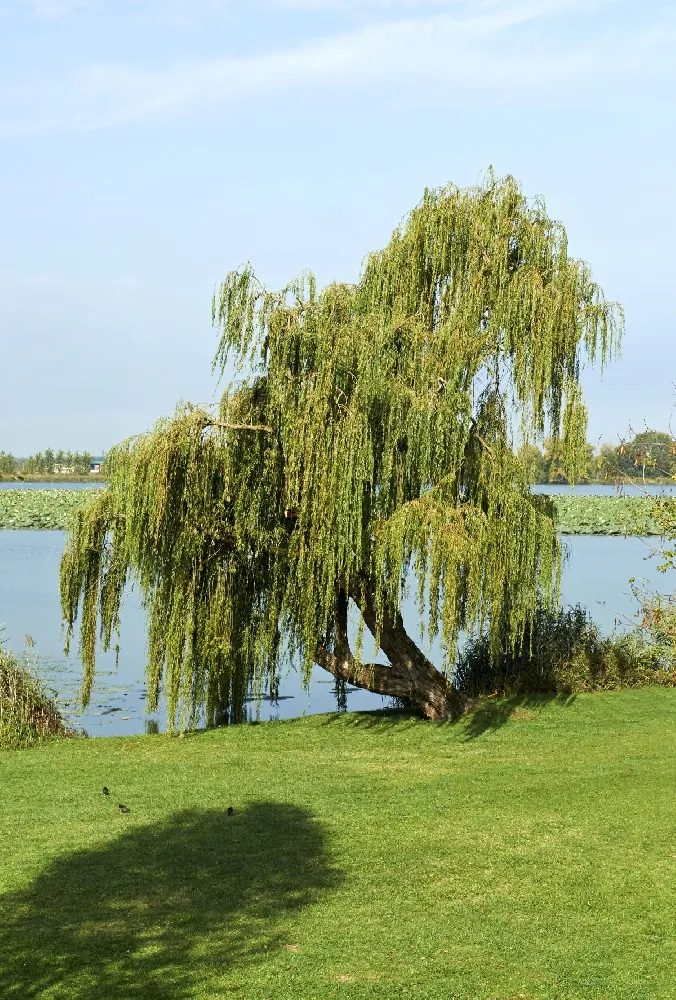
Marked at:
<point>230,810</point>
<point>123,808</point>
<point>105,790</point>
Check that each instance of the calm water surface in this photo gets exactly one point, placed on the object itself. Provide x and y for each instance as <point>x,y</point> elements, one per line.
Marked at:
<point>596,575</point>
<point>603,490</point>
<point>29,605</point>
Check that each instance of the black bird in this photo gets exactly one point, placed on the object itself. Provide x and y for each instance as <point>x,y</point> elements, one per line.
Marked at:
<point>230,810</point>
<point>105,790</point>
<point>122,808</point>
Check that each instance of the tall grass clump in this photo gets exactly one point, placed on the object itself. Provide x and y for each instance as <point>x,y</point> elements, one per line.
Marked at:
<point>563,652</point>
<point>27,713</point>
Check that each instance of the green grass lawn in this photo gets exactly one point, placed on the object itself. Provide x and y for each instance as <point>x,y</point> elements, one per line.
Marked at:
<point>526,852</point>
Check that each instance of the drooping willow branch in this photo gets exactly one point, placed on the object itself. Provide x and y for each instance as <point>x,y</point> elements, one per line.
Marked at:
<point>240,427</point>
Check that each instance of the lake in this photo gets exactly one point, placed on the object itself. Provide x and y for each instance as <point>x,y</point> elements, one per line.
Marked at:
<point>596,574</point>
<point>29,605</point>
<point>606,489</point>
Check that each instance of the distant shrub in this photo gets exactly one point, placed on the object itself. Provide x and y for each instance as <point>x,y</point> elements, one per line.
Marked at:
<point>564,652</point>
<point>27,714</point>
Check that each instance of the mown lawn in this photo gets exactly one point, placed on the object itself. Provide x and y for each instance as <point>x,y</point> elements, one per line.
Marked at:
<point>528,852</point>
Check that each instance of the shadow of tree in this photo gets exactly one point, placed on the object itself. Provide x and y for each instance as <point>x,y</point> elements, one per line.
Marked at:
<point>379,718</point>
<point>488,714</point>
<point>163,908</point>
<point>493,714</point>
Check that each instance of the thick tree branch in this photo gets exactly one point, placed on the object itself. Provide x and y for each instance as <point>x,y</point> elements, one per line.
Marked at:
<point>423,684</point>
<point>484,444</point>
<point>341,663</point>
<point>376,677</point>
<point>410,676</point>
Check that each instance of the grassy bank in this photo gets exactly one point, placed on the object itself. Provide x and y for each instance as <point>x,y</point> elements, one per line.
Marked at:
<point>28,715</point>
<point>525,852</point>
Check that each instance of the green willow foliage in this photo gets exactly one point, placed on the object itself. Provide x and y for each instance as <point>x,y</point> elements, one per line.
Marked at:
<point>370,435</point>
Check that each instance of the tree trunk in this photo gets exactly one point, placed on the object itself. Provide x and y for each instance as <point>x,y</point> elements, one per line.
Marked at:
<point>409,676</point>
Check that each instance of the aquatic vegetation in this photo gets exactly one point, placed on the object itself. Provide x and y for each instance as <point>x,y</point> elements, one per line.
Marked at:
<point>48,510</point>
<point>575,515</point>
<point>606,515</point>
<point>27,714</point>
<point>564,652</point>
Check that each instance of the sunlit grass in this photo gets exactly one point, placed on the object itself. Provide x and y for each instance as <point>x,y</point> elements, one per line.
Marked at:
<point>528,851</point>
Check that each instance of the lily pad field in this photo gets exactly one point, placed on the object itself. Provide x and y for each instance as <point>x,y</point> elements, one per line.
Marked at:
<point>605,515</point>
<point>47,510</point>
<point>576,515</point>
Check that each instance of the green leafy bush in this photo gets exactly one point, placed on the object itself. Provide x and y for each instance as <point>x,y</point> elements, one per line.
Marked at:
<point>564,652</point>
<point>27,714</point>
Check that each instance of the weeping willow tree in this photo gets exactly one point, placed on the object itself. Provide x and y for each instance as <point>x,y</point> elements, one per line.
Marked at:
<point>365,447</point>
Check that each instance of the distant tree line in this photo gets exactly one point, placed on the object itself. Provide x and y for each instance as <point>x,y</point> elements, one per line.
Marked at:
<point>46,463</point>
<point>649,455</point>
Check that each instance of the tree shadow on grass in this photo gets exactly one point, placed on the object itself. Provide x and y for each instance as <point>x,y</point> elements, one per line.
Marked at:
<point>493,714</point>
<point>161,909</point>
<point>379,718</point>
<point>487,715</point>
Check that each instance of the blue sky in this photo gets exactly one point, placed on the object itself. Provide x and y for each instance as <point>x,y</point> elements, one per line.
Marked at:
<point>147,147</point>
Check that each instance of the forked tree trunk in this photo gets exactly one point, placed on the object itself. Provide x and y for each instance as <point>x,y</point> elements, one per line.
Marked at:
<point>409,676</point>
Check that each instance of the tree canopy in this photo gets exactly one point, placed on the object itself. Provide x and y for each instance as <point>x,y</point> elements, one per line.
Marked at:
<point>649,453</point>
<point>48,461</point>
<point>366,443</point>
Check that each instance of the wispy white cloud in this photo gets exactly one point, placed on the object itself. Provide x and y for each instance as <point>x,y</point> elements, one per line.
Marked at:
<point>481,53</point>
<point>61,8</point>
<point>353,6</point>
<point>51,9</point>
<point>392,6</point>
<point>200,9</point>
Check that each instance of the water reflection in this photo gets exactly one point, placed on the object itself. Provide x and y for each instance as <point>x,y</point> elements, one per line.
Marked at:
<point>596,575</point>
<point>29,603</point>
